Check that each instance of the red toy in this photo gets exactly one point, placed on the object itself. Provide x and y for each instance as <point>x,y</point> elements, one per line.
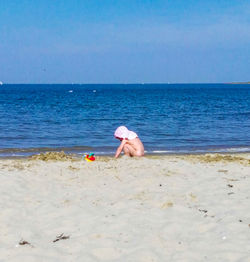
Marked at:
<point>89,157</point>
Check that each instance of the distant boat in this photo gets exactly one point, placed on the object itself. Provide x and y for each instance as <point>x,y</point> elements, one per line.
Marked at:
<point>1,83</point>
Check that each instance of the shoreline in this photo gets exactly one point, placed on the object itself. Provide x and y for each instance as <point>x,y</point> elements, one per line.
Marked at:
<point>111,155</point>
<point>57,157</point>
<point>110,150</point>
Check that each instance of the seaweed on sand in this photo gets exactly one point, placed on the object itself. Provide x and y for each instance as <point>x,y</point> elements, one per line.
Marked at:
<point>60,237</point>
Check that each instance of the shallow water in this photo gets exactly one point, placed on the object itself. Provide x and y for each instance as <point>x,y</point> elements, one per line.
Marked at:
<point>82,118</point>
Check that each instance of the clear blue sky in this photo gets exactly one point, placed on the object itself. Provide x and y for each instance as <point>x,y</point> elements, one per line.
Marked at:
<point>124,41</point>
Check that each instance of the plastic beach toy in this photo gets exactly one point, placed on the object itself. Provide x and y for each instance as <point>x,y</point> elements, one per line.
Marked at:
<point>89,157</point>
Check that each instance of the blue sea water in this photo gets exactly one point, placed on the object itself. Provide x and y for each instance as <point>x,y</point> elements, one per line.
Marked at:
<point>169,118</point>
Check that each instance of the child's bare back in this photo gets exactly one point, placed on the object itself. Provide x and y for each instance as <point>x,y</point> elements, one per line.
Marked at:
<point>131,145</point>
<point>134,147</point>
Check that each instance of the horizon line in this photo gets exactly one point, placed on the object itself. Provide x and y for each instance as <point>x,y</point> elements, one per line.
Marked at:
<point>135,83</point>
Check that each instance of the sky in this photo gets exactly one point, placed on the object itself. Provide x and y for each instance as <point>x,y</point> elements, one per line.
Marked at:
<point>124,41</point>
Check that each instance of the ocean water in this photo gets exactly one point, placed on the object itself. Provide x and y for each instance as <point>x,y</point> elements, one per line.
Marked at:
<point>169,118</point>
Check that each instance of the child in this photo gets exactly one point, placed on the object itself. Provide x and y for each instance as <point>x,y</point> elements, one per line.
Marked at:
<point>130,142</point>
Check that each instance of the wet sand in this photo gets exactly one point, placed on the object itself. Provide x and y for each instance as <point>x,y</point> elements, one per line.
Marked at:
<point>156,208</point>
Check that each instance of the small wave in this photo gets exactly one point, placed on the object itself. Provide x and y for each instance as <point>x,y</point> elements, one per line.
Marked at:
<point>43,149</point>
<point>161,151</point>
<point>243,149</point>
<point>235,150</point>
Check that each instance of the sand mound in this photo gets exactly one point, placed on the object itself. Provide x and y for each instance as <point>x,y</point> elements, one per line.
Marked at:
<point>225,158</point>
<point>61,156</point>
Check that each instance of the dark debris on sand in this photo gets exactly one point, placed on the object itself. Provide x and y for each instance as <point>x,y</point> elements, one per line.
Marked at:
<point>60,237</point>
<point>24,242</point>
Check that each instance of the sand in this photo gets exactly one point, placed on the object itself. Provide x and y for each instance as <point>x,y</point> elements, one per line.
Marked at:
<point>159,208</point>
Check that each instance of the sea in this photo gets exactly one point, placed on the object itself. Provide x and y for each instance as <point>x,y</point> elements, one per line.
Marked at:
<point>82,118</point>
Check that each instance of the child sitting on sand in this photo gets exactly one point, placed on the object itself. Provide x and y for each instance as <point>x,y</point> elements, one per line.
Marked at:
<point>131,145</point>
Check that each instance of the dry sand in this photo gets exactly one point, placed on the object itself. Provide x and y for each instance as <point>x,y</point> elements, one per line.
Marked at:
<point>159,208</point>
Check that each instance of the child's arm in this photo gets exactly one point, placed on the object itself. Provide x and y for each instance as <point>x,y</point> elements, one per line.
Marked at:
<point>119,149</point>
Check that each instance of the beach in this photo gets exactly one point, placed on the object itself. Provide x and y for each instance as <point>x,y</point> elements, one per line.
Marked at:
<point>154,208</point>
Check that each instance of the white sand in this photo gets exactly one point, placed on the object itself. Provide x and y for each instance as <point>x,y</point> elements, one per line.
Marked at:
<point>150,209</point>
